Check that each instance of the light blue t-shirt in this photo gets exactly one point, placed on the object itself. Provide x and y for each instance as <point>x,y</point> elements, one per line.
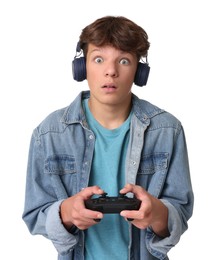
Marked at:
<point>109,239</point>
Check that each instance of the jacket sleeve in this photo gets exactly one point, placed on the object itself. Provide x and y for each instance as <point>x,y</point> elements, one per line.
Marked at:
<point>42,203</point>
<point>177,195</point>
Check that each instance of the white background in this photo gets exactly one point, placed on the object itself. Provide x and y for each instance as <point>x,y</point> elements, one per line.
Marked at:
<point>37,45</point>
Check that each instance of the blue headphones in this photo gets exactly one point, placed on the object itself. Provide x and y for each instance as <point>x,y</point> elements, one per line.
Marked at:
<point>79,69</point>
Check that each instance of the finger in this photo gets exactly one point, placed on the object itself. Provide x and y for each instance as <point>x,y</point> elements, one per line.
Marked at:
<point>145,209</point>
<point>87,218</point>
<point>131,188</point>
<point>91,214</point>
<point>90,191</point>
<point>139,192</point>
<point>130,214</point>
<point>127,188</point>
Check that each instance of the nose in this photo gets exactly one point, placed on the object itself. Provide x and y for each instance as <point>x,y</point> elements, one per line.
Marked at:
<point>111,70</point>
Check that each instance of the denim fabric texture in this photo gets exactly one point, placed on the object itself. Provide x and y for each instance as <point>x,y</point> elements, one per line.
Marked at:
<point>59,163</point>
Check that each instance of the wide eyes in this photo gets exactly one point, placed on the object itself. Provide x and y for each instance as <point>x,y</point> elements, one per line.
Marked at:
<point>123,61</point>
<point>98,60</point>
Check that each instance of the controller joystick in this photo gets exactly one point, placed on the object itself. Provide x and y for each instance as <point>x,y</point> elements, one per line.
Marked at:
<point>102,196</point>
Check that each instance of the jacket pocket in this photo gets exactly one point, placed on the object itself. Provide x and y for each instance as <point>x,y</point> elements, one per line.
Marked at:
<point>60,164</point>
<point>62,169</point>
<point>152,172</point>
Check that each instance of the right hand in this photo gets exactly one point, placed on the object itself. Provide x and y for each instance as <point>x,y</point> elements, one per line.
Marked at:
<point>73,211</point>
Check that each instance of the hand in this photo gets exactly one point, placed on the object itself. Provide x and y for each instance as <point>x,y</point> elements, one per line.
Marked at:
<point>73,211</point>
<point>152,211</point>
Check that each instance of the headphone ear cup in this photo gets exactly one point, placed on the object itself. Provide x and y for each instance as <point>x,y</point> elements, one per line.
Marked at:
<point>141,75</point>
<point>79,69</point>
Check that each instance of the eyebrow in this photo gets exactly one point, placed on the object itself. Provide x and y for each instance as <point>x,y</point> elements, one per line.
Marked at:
<point>100,50</point>
<point>94,50</point>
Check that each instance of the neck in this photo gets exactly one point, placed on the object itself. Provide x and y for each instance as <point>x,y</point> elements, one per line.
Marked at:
<point>110,116</point>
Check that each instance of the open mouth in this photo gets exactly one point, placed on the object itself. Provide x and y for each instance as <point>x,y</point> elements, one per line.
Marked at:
<point>109,86</point>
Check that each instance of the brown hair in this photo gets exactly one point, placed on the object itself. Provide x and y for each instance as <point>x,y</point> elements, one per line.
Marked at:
<point>117,31</point>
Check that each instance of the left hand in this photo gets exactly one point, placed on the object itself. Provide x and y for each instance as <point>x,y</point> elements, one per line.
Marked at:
<point>152,211</point>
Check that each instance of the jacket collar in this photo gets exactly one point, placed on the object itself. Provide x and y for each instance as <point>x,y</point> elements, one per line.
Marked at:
<point>143,110</point>
<point>74,112</point>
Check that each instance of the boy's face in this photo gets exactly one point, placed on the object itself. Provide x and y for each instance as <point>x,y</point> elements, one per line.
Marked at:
<point>110,75</point>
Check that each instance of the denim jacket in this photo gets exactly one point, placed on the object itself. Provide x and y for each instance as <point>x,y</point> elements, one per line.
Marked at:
<point>59,164</point>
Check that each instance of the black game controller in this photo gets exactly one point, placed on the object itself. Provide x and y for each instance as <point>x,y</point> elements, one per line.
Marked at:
<point>107,204</point>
